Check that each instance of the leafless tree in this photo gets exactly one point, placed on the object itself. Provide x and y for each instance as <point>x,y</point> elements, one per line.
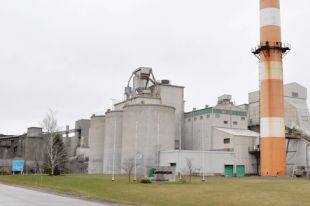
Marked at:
<point>189,165</point>
<point>128,166</point>
<point>55,152</point>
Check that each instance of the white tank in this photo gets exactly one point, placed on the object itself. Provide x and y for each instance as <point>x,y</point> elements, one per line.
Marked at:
<point>96,144</point>
<point>147,129</point>
<point>113,142</point>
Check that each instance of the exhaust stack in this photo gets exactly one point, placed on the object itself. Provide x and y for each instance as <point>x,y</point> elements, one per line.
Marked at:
<point>272,127</point>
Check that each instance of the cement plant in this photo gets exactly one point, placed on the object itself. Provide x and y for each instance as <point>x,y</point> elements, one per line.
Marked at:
<point>268,136</point>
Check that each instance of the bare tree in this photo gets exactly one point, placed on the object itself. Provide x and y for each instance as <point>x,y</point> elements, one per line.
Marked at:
<point>55,152</point>
<point>128,166</point>
<point>189,165</point>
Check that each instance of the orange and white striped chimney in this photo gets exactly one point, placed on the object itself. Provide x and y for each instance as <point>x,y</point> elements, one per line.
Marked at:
<point>272,127</point>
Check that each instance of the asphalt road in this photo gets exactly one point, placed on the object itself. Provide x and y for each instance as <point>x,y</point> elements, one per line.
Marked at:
<point>16,196</point>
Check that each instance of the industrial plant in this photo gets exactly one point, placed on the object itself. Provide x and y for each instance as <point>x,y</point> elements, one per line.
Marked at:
<point>268,136</point>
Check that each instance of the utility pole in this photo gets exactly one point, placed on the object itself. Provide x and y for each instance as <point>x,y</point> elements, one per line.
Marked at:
<point>203,153</point>
<point>135,177</point>
<point>114,145</point>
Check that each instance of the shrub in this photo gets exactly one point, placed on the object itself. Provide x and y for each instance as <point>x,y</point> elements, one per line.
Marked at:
<point>145,181</point>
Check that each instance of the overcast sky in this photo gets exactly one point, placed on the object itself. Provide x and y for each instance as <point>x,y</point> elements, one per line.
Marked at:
<point>74,56</point>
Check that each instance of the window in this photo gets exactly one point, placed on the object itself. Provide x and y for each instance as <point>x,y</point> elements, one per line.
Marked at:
<point>208,115</point>
<point>243,118</point>
<point>225,122</point>
<point>201,117</point>
<point>217,116</point>
<point>226,140</point>
<point>295,94</point>
<point>235,123</point>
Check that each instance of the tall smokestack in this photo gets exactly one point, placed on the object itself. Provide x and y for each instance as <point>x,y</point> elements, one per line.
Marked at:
<point>272,127</point>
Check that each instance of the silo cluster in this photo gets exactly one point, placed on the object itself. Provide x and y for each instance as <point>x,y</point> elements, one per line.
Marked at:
<point>138,127</point>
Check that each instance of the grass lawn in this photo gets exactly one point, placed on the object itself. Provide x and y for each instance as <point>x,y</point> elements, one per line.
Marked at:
<point>215,191</point>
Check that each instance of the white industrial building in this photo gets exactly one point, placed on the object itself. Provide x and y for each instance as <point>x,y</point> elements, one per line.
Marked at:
<point>147,121</point>
<point>150,127</point>
<point>297,123</point>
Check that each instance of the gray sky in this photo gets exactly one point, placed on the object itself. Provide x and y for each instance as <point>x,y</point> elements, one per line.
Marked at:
<point>74,56</point>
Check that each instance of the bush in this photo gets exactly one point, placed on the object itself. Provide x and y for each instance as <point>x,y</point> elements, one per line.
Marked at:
<point>145,181</point>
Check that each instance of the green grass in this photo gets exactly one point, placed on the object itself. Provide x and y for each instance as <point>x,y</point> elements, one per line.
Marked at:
<point>215,191</point>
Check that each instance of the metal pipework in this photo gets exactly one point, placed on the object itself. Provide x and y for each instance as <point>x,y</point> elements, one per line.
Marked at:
<point>272,127</point>
<point>141,79</point>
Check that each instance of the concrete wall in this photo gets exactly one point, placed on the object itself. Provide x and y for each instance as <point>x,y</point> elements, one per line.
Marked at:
<point>294,88</point>
<point>96,144</point>
<point>34,132</point>
<point>113,135</point>
<point>170,95</point>
<point>296,109</point>
<point>198,128</point>
<point>240,146</point>
<point>137,100</point>
<point>84,125</point>
<point>146,130</point>
<point>214,161</point>
<point>174,96</point>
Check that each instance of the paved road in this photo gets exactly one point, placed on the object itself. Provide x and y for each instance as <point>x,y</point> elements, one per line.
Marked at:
<point>16,196</point>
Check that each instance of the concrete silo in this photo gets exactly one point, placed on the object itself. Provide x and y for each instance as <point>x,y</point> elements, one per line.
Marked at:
<point>113,142</point>
<point>147,129</point>
<point>96,144</point>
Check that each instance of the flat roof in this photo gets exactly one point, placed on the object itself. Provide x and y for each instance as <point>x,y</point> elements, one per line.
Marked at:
<point>239,132</point>
<point>215,110</point>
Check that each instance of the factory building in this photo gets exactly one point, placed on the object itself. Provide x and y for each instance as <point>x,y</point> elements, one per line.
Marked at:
<point>297,124</point>
<point>150,124</point>
<point>147,121</point>
<point>29,147</point>
<point>26,146</point>
<point>201,123</point>
<point>269,136</point>
<point>222,128</point>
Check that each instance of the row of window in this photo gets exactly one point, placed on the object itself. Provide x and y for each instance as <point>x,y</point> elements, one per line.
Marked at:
<point>217,116</point>
<point>234,123</point>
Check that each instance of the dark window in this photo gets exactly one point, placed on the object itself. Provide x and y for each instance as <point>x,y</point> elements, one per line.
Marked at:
<point>208,115</point>
<point>295,94</point>
<point>201,117</point>
<point>227,141</point>
<point>242,118</point>
<point>235,123</point>
<point>225,122</point>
